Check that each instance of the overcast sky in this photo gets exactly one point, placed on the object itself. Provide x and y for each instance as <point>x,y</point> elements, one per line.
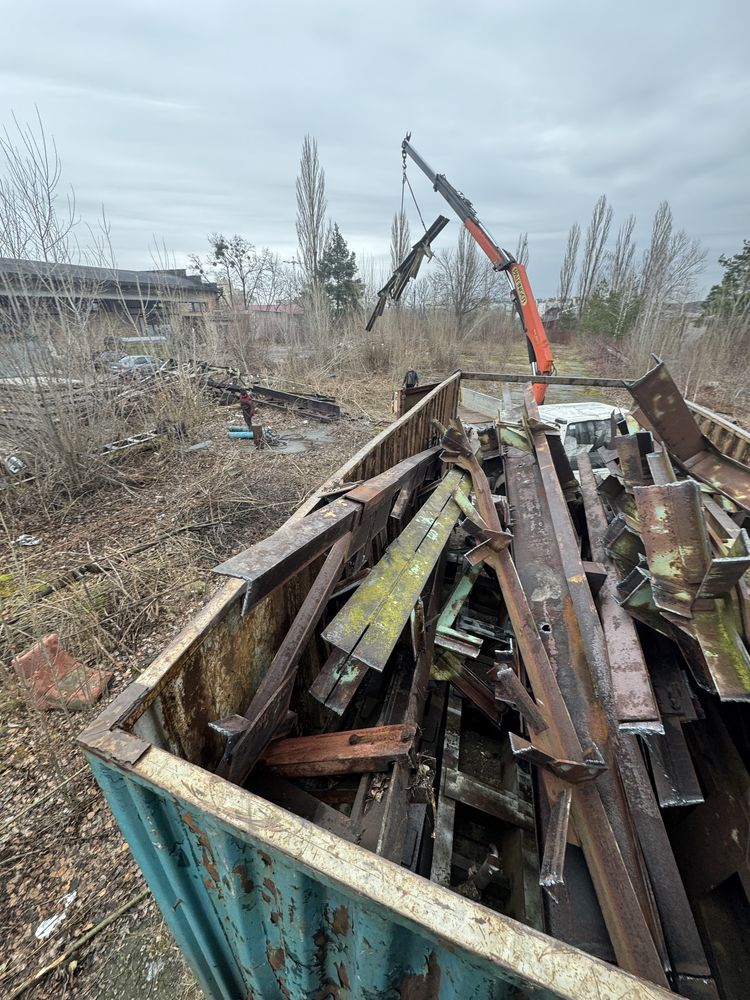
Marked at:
<point>184,118</point>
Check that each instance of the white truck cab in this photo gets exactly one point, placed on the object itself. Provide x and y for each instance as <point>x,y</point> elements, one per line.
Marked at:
<point>584,427</point>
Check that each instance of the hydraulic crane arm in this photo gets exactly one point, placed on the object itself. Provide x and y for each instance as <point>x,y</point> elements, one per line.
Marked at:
<point>540,354</point>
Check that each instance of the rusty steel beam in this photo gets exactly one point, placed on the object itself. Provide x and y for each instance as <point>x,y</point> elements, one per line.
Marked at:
<point>324,408</point>
<point>635,702</point>
<point>272,561</point>
<point>620,901</point>
<point>605,383</point>
<point>393,830</point>
<point>635,698</point>
<point>675,537</point>
<point>344,752</point>
<point>566,539</point>
<point>555,843</point>
<point>509,689</point>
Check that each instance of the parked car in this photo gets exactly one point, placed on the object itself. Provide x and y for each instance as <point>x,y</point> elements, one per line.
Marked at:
<point>142,364</point>
<point>105,360</point>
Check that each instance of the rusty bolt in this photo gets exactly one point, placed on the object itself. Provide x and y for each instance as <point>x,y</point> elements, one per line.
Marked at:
<point>355,738</point>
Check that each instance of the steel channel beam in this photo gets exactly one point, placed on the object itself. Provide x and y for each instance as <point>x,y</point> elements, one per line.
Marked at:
<point>605,383</point>
<point>326,408</point>
<point>682,938</point>
<point>600,712</point>
<point>539,565</point>
<point>635,701</point>
<point>567,541</point>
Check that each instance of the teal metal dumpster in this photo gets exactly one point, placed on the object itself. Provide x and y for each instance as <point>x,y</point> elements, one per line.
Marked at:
<point>262,903</point>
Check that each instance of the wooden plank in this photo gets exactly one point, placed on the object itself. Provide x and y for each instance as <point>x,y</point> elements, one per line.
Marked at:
<point>353,751</point>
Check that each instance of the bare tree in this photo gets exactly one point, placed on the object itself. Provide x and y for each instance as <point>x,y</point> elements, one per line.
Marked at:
<point>463,281</point>
<point>621,262</point>
<point>400,238</point>
<point>32,223</point>
<point>668,271</point>
<point>522,249</point>
<point>246,271</point>
<point>670,266</point>
<point>311,209</point>
<point>594,251</point>
<point>569,264</point>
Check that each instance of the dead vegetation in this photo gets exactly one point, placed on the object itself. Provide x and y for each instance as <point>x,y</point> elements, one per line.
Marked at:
<point>122,562</point>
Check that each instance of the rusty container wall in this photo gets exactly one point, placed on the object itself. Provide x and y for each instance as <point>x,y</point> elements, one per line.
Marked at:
<point>262,903</point>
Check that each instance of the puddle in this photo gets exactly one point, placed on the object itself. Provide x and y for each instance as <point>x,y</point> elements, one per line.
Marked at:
<point>299,441</point>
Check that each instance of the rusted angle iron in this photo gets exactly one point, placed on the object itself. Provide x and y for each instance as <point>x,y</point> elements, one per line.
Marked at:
<point>363,510</point>
<point>663,410</point>
<point>638,711</point>
<point>696,593</point>
<point>370,623</point>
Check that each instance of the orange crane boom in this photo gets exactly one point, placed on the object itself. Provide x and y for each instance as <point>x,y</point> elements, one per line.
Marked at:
<point>540,353</point>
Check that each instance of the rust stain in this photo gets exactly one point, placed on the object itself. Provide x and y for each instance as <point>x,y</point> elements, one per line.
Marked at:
<point>343,977</point>
<point>270,885</point>
<point>275,917</point>
<point>266,859</point>
<point>340,921</point>
<point>276,957</point>
<point>208,860</point>
<point>426,987</point>
<point>265,898</point>
<point>328,991</point>
<point>247,883</point>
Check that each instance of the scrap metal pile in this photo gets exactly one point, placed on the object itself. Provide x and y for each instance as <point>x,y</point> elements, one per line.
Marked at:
<point>531,684</point>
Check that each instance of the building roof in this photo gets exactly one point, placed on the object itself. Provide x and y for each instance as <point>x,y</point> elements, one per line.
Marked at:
<point>151,284</point>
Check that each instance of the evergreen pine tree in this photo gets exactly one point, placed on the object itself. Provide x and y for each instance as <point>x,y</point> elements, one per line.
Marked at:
<point>338,273</point>
<point>732,295</point>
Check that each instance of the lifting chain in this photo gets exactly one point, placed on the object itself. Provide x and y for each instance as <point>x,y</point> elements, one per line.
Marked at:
<point>405,181</point>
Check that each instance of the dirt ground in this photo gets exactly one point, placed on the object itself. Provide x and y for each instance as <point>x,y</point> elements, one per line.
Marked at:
<point>57,836</point>
<point>60,850</point>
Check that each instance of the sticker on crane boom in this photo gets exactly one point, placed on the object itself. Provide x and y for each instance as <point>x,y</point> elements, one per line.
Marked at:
<point>516,275</point>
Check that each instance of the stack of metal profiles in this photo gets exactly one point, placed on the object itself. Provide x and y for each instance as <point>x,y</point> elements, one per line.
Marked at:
<point>525,685</point>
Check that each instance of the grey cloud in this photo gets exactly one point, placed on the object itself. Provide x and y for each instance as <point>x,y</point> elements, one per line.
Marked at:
<point>183,119</point>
